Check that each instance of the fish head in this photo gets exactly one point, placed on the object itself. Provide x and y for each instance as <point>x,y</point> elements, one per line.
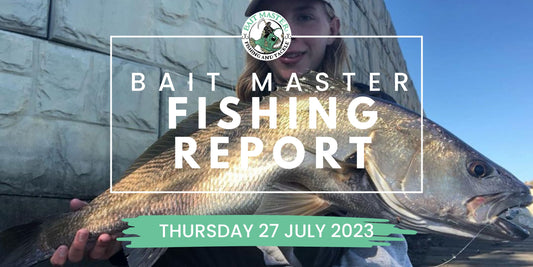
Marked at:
<point>461,192</point>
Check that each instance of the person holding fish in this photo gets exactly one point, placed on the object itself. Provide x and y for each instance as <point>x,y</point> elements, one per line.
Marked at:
<point>464,193</point>
<point>327,55</point>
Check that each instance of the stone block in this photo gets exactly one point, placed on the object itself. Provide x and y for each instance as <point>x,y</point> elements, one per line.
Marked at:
<point>363,5</point>
<point>128,145</point>
<point>16,53</point>
<point>374,58</point>
<point>225,16</point>
<point>53,158</point>
<point>174,12</point>
<point>361,58</point>
<point>200,89</point>
<point>74,84</point>
<point>132,109</point>
<point>224,59</point>
<point>239,64</point>
<point>17,91</point>
<point>25,16</point>
<point>89,24</point>
<point>63,74</point>
<point>378,16</point>
<point>28,209</point>
<point>210,12</point>
<point>65,158</point>
<point>234,15</point>
<point>360,22</point>
<point>342,10</point>
<point>30,141</point>
<point>351,52</point>
<point>183,54</point>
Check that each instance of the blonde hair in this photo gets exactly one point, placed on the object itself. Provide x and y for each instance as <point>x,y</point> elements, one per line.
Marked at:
<point>332,63</point>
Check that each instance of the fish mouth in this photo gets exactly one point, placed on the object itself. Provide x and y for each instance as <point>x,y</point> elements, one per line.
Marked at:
<point>498,210</point>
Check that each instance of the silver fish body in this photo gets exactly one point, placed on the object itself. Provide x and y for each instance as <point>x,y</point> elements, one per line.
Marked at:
<point>461,191</point>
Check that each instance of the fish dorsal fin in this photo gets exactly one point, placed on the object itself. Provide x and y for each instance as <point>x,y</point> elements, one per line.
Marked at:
<point>186,127</point>
<point>287,203</point>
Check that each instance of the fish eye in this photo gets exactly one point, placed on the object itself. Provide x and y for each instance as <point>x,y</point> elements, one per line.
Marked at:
<point>479,169</point>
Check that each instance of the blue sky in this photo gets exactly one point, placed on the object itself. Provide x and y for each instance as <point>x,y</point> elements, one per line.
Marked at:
<point>478,72</point>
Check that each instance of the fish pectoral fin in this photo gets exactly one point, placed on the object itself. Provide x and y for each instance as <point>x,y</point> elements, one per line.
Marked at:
<point>142,256</point>
<point>347,164</point>
<point>291,201</point>
<point>276,256</point>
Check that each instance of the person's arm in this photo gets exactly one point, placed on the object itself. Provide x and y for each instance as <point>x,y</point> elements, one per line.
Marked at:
<point>105,247</point>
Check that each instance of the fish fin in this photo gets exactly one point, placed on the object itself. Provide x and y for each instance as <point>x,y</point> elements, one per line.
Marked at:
<point>392,171</point>
<point>273,256</point>
<point>348,165</point>
<point>279,256</point>
<point>288,252</point>
<point>186,127</point>
<point>142,256</point>
<point>290,203</point>
<point>19,246</point>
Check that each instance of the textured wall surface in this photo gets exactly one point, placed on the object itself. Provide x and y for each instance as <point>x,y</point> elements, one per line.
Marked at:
<point>54,79</point>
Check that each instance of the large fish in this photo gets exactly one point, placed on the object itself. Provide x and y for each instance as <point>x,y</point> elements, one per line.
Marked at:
<point>463,191</point>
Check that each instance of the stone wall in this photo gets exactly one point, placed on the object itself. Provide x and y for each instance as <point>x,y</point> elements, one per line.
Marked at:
<point>54,79</point>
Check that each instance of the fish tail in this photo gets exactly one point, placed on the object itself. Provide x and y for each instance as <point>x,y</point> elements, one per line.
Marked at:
<point>20,246</point>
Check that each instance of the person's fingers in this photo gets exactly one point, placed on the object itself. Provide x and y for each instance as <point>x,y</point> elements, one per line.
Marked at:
<point>102,245</point>
<point>60,256</point>
<point>76,204</point>
<point>77,248</point>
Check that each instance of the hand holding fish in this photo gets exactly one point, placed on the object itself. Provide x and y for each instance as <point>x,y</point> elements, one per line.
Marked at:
<point>105,247</point>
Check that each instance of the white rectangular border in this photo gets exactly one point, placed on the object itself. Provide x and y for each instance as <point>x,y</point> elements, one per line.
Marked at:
<point>266,192</point>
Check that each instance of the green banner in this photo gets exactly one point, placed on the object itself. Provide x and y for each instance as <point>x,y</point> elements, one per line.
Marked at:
<point>259,230</point>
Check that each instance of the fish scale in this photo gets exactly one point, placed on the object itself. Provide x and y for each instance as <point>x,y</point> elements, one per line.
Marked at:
<point>392,162</point>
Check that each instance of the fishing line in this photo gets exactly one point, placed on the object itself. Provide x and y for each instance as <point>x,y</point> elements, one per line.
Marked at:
<point>463,249</point>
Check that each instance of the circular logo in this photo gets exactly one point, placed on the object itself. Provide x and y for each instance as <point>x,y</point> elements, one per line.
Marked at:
<point>266,35</point>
